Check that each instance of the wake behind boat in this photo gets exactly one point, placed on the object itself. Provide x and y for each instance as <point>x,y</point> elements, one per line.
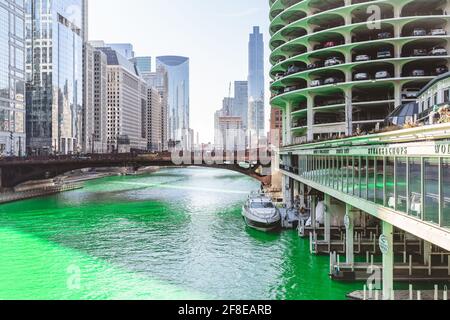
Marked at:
<point>261,214</point>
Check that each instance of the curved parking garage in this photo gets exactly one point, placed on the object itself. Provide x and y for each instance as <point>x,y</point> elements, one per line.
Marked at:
<point>348,71</point>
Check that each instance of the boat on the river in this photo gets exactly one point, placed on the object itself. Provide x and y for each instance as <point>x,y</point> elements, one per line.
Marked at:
<point>261,214</point>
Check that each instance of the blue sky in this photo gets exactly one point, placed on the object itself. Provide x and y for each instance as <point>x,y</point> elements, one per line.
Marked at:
<point>212,33</point>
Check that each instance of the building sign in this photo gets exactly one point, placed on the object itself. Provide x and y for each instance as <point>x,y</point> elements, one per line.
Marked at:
<point>431,149</point>
<point>388,151</point>
<point>384,244</point>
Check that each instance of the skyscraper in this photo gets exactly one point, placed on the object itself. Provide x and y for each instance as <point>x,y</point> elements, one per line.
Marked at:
<point>125,49</point>
<point>154,120</point>
<point>54,42</point>
<point>12,76</point>
<point>159,81</point>
<point>177,69</point>
<point>143,64</point>
<point>240,102</point>
<point>127,103</point>
<point>256,113</point>
<point>94,133</point>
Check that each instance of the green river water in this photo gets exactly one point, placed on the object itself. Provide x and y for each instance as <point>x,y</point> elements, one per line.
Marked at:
<point>175,234</point>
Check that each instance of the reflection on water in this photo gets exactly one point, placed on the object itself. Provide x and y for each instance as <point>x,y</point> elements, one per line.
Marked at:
<point>173,234</point>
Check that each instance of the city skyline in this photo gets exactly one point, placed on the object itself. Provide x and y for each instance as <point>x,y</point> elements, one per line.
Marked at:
<point>231,22</point>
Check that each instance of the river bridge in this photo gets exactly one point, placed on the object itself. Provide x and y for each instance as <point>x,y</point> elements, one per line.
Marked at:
<point>15,171</point>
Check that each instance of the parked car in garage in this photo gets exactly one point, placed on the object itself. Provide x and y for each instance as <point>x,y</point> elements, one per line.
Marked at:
<point>419,32</point>
<point>331,80</point>
<point>438,32</point>
<point>332,61</point>
<point>362,57</point>
<point>316,83</point>
<point>410,93</point>
<point>361,76</point>
<point>382,74</point>
<point>384,53</point>
<point>291,88</point>
<point>330,44</point>
<point>420,52</point>
<point>441,70</point>
<point>418,73</point>
<point>438,51</point>
<point>314,65</point>
<point>293,69</point>
<point>384,35</point>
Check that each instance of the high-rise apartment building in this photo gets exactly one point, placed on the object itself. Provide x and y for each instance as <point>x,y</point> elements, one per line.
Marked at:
<point>256,105</point>
<point>54,69</point>
<point>125,49</point>
<point>12,77</point>
<point>337,74</point>
<point>177,69</point>
<point>127,104</point>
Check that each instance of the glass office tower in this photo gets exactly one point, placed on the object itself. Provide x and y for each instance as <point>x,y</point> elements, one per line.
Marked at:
<point>256,115</point>
<point>177,99</point>
<point>12,76</point>
<point>54,43</point>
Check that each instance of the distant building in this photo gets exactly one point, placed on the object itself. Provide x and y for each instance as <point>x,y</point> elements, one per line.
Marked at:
<point>144,67</point>
<point>154,120</point>
<point>125,49</point>
<point>12,76</point>
<point>276,125</point>
<point>240,102</point>
<point>256,105</point>
<point>54,68</point>
<point>159,80</point>
<point>95,103</point>
<point>229,135</point>
<point>127,103</point>
<point>177,69</point>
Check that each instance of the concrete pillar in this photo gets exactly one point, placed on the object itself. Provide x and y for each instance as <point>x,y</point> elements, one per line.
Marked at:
<point>313,211</point>
<point>397,31</point>
<point>397,10</point>
<point>397,50</point>
<point>398,93</point>
<point>327,218</point>
<point>283,129</point>
<point>387,245</point>
<point>348,111</point>
<point>350,234</point>
<point>289,123</point>
<point>427,250</point>
<point>398,70</point>
<point>310,115</point>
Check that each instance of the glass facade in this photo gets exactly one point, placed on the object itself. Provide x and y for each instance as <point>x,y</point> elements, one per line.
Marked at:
<point>177,69</point>
<point>54,55</point>
<point>256,113</point>
<point>417,186</point>
<point>12,77</point>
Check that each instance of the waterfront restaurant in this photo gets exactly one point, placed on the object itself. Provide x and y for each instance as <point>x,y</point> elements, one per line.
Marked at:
<point>400,177</point>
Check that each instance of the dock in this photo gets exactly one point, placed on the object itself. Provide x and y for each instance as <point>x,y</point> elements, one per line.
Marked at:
<point>400,295</point>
